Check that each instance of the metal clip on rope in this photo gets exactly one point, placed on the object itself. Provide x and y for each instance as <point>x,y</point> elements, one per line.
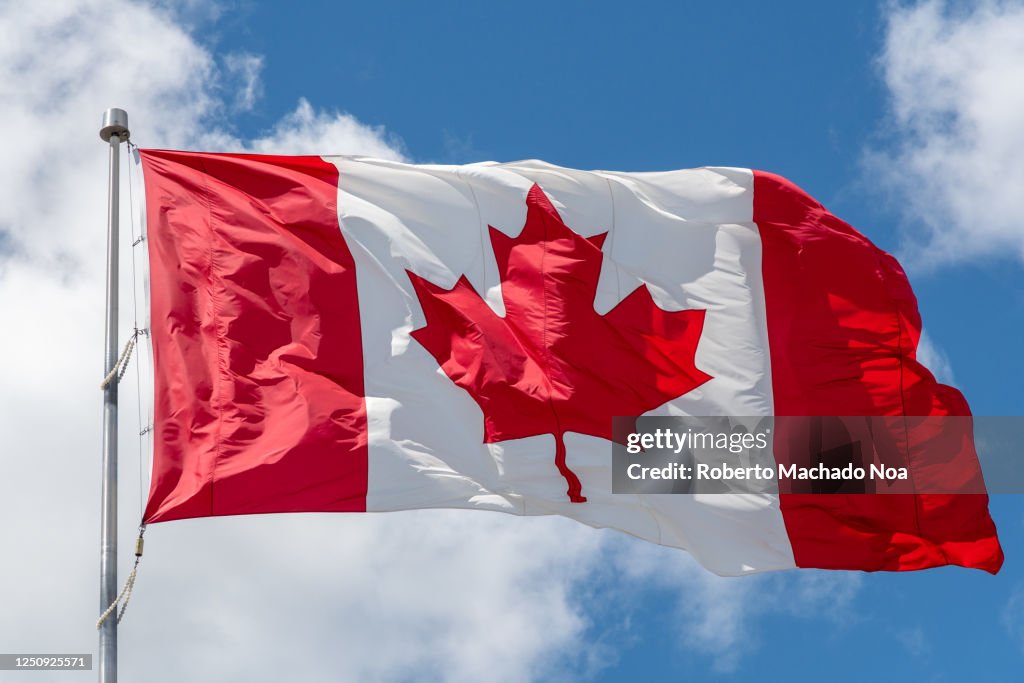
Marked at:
<point>129,584</point>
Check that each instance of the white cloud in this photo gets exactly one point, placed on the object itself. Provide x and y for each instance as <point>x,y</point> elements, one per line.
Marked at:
<point>935,359</point>
<point>914,640</point>
<point>1013,616</point>
<point>953,73</point>
<point>431,595</point>
<point>245,68</point>
<point>719,616</point>
<point>423,596</point>
<point>308,131</point>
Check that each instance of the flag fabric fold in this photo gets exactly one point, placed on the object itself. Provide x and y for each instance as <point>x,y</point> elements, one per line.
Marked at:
<point>344,334</point>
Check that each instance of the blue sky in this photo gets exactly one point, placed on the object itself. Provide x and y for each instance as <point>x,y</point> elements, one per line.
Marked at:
<point>902,119</point>
<point>795,88</point>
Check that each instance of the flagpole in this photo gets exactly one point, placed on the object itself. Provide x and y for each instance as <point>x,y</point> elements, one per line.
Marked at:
<point>113,132</point>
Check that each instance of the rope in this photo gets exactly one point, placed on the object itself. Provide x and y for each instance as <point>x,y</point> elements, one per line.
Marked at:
<point>126,592</point>
<point>133,150</point>
<point>121,366</point>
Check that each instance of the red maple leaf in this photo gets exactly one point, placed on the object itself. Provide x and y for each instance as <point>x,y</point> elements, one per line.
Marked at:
<point>552,364</point>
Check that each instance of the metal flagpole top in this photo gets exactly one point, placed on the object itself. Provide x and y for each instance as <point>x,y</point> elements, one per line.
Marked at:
<point>115,122</point>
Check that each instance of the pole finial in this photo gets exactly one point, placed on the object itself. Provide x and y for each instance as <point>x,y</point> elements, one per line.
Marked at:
<point>115,122</point>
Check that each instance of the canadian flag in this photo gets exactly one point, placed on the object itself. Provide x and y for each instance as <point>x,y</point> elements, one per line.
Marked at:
<point>350,334</point>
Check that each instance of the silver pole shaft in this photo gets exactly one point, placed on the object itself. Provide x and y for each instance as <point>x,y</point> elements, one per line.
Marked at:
<point>114,131</point>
